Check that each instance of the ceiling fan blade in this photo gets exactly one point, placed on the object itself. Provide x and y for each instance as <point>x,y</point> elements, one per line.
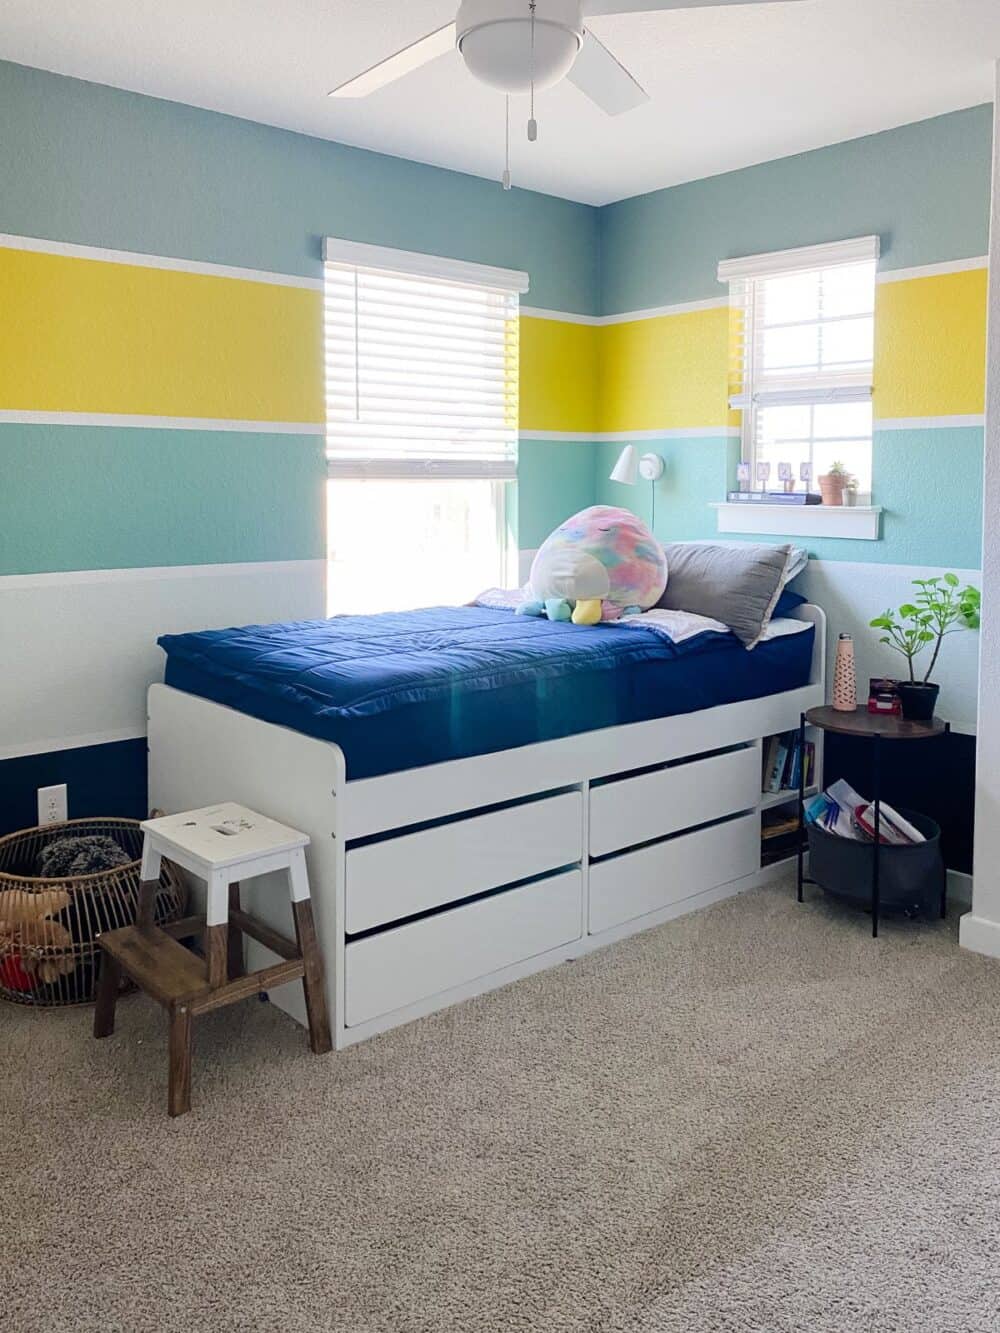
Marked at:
<point>403,62</point>
<point>597,73</point>
<point>593,8</point>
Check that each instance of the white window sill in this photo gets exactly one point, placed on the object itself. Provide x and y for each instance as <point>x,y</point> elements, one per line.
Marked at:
<point>859,522</point>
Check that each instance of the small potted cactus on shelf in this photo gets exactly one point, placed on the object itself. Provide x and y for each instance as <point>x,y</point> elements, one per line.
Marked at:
<point>833,484</point>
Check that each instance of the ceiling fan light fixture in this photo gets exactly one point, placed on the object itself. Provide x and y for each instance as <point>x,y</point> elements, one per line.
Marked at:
<point>495,39</point>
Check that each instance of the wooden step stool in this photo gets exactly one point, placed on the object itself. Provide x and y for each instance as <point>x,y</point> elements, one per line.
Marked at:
<point>222,845</point>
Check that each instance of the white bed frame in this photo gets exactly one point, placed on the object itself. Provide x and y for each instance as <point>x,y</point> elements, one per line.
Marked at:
<point>438,883</point>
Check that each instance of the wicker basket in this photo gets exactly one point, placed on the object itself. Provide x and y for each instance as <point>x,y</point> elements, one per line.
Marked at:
<point>48,927</point>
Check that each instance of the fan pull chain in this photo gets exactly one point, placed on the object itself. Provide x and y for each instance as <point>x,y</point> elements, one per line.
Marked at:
<point>506,159</point>
<point>532,122</point>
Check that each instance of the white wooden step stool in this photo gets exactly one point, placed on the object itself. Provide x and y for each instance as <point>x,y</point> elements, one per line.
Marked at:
<point>222,845</point>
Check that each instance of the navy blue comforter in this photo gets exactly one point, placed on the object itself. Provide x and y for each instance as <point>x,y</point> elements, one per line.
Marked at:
<point>404,689</point>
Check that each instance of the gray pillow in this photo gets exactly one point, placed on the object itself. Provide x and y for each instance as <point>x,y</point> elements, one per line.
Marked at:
<point>739,585</point>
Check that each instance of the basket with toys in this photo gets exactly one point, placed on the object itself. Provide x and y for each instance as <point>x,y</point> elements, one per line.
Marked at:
<point>60,886</point>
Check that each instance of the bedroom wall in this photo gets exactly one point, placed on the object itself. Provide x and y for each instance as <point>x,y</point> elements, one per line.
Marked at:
<point>925,189</point>
<point>161,392</point>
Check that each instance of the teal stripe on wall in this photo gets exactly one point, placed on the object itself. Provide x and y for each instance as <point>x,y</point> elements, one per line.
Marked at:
<point>555,480</point>
<point>98,166</point>
<point>930,480</point>
<point>85,497</point>
<point>924,189</point>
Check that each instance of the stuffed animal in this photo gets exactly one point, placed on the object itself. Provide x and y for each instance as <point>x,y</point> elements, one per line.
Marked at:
<point>26,927</point>
<point>80,856</point>
<point>596,566</point>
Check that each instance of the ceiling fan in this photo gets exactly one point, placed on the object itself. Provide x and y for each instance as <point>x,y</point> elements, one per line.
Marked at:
<point>520,46</point>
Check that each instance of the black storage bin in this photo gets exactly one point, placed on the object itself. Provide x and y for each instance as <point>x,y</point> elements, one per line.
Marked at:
<point>911,879</point>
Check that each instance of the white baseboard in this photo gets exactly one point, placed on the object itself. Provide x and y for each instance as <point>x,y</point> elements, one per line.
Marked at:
<point>959,889</point>
<point>978,935</point>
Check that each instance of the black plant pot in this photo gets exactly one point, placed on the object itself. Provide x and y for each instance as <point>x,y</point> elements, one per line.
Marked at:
<point>919,699</point>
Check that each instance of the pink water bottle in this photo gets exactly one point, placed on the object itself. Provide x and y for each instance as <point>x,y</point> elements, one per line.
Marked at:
<point>845,678</point>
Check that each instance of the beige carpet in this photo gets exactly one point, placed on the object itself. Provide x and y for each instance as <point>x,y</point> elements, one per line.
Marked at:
<point>754,1118</point>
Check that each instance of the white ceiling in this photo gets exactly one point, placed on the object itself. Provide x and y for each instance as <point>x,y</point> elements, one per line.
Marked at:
<point>728,87</point>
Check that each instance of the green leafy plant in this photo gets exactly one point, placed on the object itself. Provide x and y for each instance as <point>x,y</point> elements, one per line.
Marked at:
<point>837,469</point>
<point>940,607</point>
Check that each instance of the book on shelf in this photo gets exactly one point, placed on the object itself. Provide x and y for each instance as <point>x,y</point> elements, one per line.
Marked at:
<point>776,776</point>
<point>778,823</point>
<point>783,763</point>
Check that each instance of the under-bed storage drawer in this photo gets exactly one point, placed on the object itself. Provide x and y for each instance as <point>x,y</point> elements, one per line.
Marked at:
<point>652,805</point>
<point>652,878</point>
<point>399,877</point>
<point>409,963</point>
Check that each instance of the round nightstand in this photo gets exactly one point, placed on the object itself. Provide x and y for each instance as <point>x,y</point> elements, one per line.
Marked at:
<point>877,728</point>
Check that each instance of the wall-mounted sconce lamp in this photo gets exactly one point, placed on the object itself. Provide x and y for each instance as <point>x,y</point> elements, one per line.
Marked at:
<point>630,467</point>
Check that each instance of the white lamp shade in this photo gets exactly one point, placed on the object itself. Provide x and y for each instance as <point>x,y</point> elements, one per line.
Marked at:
<point>626,470</point>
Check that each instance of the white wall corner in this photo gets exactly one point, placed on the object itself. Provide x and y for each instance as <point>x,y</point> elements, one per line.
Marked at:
<point>980,930</point>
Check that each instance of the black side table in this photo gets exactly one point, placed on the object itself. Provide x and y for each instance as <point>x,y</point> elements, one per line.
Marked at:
<point>877,728</point>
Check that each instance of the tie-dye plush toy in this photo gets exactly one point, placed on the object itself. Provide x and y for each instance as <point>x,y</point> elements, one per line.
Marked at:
<point>595,566</point>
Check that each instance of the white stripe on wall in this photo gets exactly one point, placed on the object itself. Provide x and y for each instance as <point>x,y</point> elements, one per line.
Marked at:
<point>933,270</point>
<point>927,423</point>
<point>155,573</point>
<point>627,317</point>
<point>127,421</point>
<point>71,742</point>
<point>615,436</point>
<point>141,260</point>
<point>79,649</point>
<point>733,432</point>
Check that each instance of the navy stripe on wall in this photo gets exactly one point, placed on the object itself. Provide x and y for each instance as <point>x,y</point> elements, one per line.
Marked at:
<point>101,780</point>
<point>935,777</point>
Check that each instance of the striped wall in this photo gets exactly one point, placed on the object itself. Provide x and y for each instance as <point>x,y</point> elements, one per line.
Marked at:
<point>161,394</point>
<point>161,372</point>
<point>924,189</point>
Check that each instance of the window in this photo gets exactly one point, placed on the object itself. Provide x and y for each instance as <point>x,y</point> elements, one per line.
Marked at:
<point>421,434</point>
<point>801,366</point>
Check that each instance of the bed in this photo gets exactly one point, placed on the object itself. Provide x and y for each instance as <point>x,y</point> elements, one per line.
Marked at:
<point>486,794</point>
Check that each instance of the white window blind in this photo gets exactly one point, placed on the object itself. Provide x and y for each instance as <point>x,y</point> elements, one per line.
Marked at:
<point>803,325</point>
<point>421,365</point>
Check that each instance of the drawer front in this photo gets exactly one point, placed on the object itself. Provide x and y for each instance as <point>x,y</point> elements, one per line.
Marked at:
<point>398,967</point>
<point>636,883</point>
<point>402,876</point>
<point>654,805</point>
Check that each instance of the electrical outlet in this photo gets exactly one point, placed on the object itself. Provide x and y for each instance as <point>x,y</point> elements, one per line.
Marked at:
<point>52,804</point>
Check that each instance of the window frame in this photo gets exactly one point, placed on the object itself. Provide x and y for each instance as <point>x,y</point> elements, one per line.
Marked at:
<point>742,275</point>
<point>381,464</point>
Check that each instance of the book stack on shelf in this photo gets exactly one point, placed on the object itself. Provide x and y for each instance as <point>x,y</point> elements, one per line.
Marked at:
<point>781,769</point>
<point>779,834</point>
<point>782,764</point>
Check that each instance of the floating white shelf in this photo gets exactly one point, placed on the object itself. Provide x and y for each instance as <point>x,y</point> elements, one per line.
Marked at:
<point>860,522</point>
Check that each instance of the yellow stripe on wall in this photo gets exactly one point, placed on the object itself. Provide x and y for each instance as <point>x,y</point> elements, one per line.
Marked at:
<point>81,335</point>
<point>559,375</point>
<point>666,373</point>
<point>930,346</point>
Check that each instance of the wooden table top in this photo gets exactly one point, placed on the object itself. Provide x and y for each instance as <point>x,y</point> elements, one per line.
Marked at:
<point>863,723</point>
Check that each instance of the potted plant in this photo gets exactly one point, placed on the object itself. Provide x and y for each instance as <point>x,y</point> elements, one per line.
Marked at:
<point>833,483</point>
<point>939,608</point>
